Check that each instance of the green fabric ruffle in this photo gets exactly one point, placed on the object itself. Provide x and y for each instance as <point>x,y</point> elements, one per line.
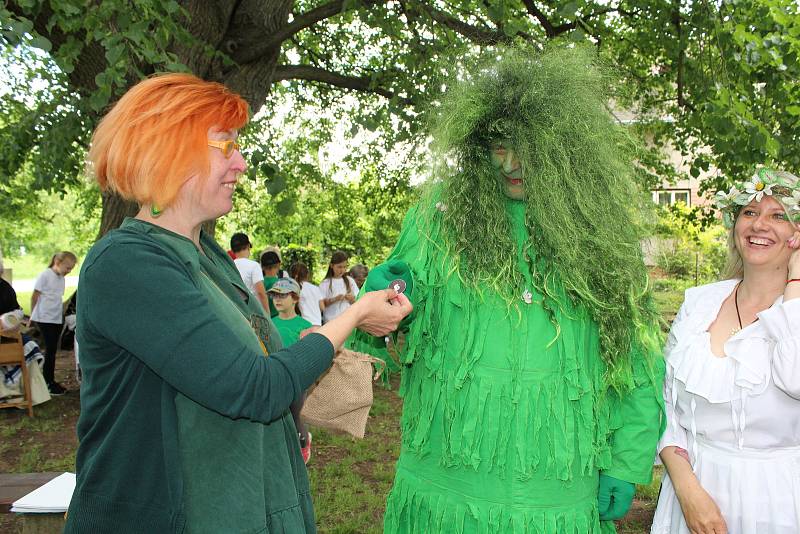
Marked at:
<point>499,396</point>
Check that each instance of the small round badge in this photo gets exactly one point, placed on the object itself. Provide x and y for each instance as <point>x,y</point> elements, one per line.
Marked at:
<point>527,297</point>
<point>398,285</point>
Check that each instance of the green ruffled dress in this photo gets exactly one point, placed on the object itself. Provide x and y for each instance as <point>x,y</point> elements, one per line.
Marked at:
<point>506,422</point>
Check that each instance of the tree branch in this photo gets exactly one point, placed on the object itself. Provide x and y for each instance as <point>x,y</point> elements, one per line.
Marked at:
<point>473,33</point>
<point>583,22</point>
<point>316,74</point>
<point>679,61</point>
<point>549,29</point>
<point>552,30</point>
<point>299,23</point>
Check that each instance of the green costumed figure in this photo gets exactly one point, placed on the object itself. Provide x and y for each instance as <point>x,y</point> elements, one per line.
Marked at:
<point>532,374</point>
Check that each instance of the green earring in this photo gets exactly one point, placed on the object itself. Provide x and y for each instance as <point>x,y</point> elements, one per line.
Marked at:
<point>154,211</point>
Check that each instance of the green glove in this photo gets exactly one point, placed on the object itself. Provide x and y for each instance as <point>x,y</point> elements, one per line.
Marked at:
<point>381,276</point>
<point>614,497</point>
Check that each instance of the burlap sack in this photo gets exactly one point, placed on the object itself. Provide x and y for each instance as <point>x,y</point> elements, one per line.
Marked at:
<point>342,397</point>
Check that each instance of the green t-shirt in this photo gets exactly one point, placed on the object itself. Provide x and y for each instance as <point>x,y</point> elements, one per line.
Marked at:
<point>290,328</point>
<point>269,281</point>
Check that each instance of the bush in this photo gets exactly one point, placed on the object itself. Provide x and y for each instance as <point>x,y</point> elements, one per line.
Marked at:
<point>293,253</point>
<point>686,248</point>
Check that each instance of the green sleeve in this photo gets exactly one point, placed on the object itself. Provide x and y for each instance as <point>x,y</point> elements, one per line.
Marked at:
<point>641,413</point>
<point>146,304</point>
<point>409,249</point>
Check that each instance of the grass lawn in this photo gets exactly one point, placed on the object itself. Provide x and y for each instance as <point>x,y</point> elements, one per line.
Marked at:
<point>350,478</point>
<point>24,267</point>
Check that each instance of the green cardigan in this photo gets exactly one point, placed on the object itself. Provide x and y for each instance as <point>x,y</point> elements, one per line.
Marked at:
<point>184,423</point>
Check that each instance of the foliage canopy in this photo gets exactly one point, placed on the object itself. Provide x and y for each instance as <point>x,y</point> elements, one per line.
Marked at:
<point>721,75</point>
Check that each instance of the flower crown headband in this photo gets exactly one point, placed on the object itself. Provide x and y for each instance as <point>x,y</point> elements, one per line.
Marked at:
<point>782,186</point>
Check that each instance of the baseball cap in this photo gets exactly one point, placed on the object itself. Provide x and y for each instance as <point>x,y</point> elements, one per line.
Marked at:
<point>285,285</point>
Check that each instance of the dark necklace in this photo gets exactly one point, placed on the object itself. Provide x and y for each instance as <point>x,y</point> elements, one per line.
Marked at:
<point>738,315</point>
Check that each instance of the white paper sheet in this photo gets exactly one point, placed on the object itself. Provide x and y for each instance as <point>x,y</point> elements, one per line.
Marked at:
<point>51,498</point>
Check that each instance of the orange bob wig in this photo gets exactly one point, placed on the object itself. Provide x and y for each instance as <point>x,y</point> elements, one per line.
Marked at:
<point>155,136</point>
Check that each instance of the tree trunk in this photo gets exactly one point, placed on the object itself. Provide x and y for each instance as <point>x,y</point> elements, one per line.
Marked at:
<point>115,209</point>
<point>234,27</point>
<point>230,27</point>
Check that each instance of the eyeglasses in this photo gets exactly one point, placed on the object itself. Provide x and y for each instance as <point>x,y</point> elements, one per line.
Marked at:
<point>278,296</point>
<point>226,146</point>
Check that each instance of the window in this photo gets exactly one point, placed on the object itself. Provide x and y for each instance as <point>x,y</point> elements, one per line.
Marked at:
<point>667,197</point>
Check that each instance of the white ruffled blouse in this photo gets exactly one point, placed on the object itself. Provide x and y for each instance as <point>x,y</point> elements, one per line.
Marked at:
<point>748,399</point>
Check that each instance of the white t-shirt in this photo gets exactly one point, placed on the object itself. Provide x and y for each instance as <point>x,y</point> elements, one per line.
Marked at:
<point>250,272</point>
<point>310,295</point>
<point>49,307</point>
<point>330,287</point>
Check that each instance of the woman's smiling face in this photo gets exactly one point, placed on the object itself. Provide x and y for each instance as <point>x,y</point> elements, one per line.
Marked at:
<point>761,234</point>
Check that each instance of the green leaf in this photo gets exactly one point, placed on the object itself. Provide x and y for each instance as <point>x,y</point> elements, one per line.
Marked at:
<point>66,65</point>
<point>792,109</point>
<point>12,38</point>
<point>285,207</point>
<point>41,42</point>
<point>512,28</point>
<point>21,26</point>
<point>722,125</point>
<point>758,141</point>
<point>370,124</point>
<point>577,35</point>
<point>773,146</point>
<point>276,185</point>
<point>123,20</point>
<point>114,53</point>
<point>496,11</point>
<point>100,98</point>
<point>568,10</point>
<point>268,170</point>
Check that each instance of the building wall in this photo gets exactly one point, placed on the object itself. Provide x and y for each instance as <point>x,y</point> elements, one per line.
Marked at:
<point>682,189</point>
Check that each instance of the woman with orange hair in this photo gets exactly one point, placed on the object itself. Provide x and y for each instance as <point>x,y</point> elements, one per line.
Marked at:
<point>185,422</point>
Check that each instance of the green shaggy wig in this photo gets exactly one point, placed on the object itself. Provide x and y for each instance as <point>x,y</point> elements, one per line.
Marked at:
<point>580,192</point>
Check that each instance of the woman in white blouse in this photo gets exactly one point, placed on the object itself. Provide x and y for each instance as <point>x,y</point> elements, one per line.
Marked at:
<point>732,391</point>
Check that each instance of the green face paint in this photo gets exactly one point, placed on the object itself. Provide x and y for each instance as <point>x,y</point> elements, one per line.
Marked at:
<point>507,168</point>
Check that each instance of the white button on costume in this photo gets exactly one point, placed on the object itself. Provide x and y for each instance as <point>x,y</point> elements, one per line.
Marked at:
<point>738,416</point>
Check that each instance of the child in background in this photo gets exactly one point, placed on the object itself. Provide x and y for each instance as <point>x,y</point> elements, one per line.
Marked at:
<point>310,296</point>
<point>285,293</point>
<point>358,273</point>
<point>250,271</point>
<point>338,289</point>
<point>47,311</point>
<point>270,265</point>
